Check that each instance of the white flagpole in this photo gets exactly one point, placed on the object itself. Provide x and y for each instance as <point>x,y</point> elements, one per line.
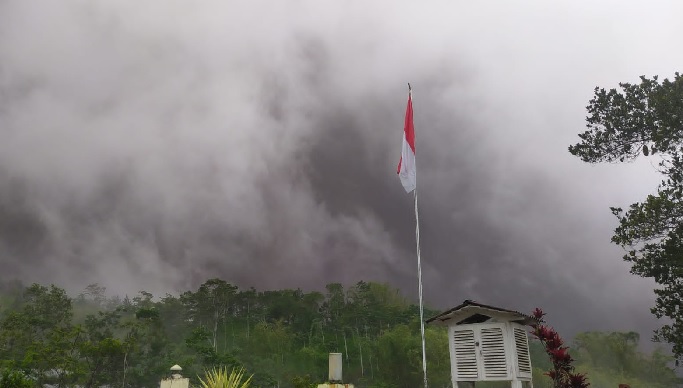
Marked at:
<point>419,266</point>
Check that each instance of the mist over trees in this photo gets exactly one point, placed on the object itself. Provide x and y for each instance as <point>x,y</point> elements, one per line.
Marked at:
<point>645,119</point>
<point>283,337</point>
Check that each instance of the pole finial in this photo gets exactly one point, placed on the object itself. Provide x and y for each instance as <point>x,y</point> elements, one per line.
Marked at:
<point>409,88</point>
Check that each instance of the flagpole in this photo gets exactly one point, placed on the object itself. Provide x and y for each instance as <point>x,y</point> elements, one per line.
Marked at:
<point>419,272</point>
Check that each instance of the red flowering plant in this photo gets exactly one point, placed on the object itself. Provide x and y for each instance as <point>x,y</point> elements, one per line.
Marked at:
<point>562,374</point>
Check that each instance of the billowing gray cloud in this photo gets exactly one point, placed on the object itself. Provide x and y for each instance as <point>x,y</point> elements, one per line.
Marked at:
<point>153,146</point>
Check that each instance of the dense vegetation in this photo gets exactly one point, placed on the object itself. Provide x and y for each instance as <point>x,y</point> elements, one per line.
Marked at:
<point>282,337</point>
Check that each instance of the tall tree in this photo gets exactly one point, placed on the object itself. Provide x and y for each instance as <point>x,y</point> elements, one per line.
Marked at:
<point>100,350</point>
<point>646,119</point>
<point>210,305</point>
<point>39,336</point>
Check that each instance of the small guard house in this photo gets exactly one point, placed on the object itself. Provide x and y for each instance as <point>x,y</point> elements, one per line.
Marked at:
<point>487,343</point>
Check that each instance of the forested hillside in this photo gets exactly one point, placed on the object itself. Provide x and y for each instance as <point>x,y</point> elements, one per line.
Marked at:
<point>283,337</point>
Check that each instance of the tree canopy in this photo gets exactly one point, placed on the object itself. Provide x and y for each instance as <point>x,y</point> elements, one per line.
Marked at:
<point>645,119</point>
<point>282,337</point>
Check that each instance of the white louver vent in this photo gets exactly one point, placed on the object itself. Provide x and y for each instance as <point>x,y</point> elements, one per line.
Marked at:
<point>522,347</point>
<point>465,355</point>
<point>487,343</point>
<point>493,352</point>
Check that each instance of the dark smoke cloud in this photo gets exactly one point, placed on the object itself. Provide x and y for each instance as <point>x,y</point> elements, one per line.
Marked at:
<point>153,146</point>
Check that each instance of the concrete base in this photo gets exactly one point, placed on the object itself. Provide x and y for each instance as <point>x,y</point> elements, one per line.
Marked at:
<point>175,383</point>
<point>333,385</point>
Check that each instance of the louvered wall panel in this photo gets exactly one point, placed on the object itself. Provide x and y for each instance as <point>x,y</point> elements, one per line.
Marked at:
<point>493,353</point>
<point>465,355</point>
<point>522,346</point>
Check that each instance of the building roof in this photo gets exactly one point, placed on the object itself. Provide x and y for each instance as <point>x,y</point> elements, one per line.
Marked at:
<point>473,312</point>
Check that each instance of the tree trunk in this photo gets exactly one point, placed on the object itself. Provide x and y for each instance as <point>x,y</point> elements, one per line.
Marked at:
<point>215,330</point>
<point>360,351</point>
<point>125,357</point>
<point>346,349</point>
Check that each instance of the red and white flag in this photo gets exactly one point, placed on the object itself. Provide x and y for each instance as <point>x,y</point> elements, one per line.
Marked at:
<point>406,165</point>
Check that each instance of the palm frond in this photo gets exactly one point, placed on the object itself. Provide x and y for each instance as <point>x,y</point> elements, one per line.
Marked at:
<point>219,378</point>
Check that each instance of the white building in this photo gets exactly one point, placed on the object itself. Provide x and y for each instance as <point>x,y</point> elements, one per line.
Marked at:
<point>487,343</point>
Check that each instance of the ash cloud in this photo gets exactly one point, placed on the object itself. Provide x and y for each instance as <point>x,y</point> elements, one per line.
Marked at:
<point>153,146</point>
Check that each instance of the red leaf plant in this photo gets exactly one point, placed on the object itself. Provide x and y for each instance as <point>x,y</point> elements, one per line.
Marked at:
<point>562,374</point>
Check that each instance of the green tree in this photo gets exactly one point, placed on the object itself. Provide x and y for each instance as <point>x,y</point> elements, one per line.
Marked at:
<point>95,293</point>
<point>303,382</point>
<point>247,307</point>
<point>400,357</point>
<point>210,305</point>
<point>616,351</point>
<point>58,341</point>
<point>146,351</point>
<point>39,337</point>
<point>617,354</point>
<point>15,379</point>
<point>100,351</point>
<point>635,120</point>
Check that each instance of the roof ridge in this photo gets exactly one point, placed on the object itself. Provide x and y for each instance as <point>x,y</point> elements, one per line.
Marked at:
<point>469,302</point>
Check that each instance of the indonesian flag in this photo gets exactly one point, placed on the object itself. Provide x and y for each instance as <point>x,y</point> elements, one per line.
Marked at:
<point>406,165</point>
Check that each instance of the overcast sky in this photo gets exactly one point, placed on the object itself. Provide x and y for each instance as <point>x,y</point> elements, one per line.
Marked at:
<point>154,145</point>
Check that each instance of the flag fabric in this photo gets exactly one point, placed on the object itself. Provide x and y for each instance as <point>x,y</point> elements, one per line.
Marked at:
<point>406,165</point>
